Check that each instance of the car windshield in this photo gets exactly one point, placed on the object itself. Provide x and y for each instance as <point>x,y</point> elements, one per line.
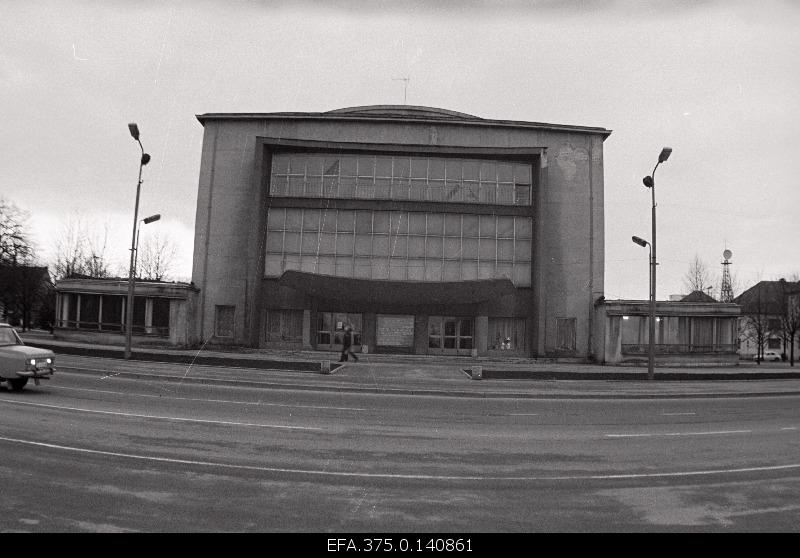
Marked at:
<point>9,337</point>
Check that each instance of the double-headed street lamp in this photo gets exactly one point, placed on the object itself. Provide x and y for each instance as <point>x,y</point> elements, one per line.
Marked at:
<point>134,129</point>
<point>649,182</point>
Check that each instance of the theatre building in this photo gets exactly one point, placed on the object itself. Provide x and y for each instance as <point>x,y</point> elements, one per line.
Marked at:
<point>428,231</point>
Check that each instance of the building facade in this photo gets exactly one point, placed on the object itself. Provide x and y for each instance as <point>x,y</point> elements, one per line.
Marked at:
<point>428,231</point>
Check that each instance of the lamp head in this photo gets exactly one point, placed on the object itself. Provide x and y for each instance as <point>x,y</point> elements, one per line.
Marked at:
<point>134,130</point>
<point>145,158</point>
<point>640,241</point>
<point>648,181</point>
<point>664,155</point>
<point>152,218</point>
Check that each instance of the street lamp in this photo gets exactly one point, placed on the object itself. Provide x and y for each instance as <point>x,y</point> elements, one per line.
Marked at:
<point>134,130</point>
<point>650,348</point>
<point>146,221</point>
<point>649,182</point>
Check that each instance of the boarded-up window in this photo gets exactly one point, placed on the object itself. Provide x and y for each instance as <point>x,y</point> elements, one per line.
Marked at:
<point>223,325</point>
<point>395,331</point>
<point>565,334</point>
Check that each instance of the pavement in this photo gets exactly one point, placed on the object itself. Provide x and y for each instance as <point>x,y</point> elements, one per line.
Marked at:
<point>509,377</point>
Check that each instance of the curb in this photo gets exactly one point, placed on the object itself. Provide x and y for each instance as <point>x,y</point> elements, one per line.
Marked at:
<point>426,391</point>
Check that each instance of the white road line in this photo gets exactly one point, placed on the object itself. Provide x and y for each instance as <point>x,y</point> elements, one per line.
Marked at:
<point>159,417</point>
<point>655,434</point>
<point>400,476</point>
<point>677,414</point>
<point>789,428</point>
<point>523,414</point>
<point>259,403</point>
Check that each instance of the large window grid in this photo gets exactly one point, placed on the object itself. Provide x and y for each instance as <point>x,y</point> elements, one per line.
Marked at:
<point>400,178</point>
<point>399,245</point>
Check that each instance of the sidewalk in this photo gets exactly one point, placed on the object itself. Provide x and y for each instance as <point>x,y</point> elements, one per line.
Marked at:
<point>439,375</point>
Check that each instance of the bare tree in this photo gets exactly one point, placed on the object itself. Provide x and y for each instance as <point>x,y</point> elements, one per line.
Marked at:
<point>80,253</point>
<point>698,277</point>
<point>155,258</point>
<point>15,244</point>
<point>790,320</point>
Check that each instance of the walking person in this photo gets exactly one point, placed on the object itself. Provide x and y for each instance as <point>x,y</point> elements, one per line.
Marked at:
<point>347,342</point>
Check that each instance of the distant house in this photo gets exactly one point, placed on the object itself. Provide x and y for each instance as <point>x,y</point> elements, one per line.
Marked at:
<point>764,306</point>
<point>698,296</point>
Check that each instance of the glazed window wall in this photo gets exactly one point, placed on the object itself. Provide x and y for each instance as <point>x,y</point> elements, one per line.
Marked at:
<point>400,178</point>
<point>399,245</point>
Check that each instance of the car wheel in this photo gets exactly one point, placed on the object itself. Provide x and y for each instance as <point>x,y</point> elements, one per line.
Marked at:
<point>16,384</point>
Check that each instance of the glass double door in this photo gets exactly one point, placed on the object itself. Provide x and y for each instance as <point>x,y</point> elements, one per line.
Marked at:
<point>330,330</point>
<point>450,335</point>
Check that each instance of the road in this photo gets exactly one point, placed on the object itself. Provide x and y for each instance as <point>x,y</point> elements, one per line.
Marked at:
<point>85,452</point>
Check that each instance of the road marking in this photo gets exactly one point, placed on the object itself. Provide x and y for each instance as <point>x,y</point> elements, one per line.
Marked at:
<point>159,417</point>
<point>655,434</point>
<point>350,474</point>
<point>677,414</point>
<point>523,414</point>
<point>260,403</point>
<point>789,428</point>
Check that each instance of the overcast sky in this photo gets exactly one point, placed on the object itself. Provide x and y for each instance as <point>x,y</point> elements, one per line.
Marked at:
<point>716,81</point>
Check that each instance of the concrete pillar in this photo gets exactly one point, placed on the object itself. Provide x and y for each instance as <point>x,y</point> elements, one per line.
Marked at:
<point>148,315</point>
<point>481,339</point>
<point>307,331</point>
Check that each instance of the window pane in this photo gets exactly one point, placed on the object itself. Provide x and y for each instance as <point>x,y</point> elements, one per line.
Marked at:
<point>363,222</point>
<point>310,219</point>
<point>433,270</point>
<point>419,190</point>
<point>328,221</point>
<point>275,241</point>
<point>469,270</point>
<point>416,246</point>
<point>380,268</point>
<point>275,219</point>
<point>452,248</point>
<point>397,269</point>
<point>488,249</point>
<point>505,172</point>
<point>436,190</point>
<point>363,245</point>
<point>363,268</point>
<point>382,189</point>
<point>452,225</point>
<point>294,219</point>
<point>505,193</point>
<point>309,242</point>
<point>308,264</point>
<point>401,168</point>
<point>486,270</point>
<point>505,227</point>
<point>291,242</point>
<point>522,174</point>
<point>331,166</point>
<point>325,265</point>
<point>347,188</point>
<point>469,248</point>
<point>347,165</point>
<point>399,246</point>
<point>327,243</point>
<point>280,164</point>
<point>522,275</point>
<point>345,220</point>
<point>380,222</point>
<point>344,243</point>
<point>488,171</point>
<point>416,223</point>
<point>433,247</point>
<point>488,226</point>
<point>470,170</point>
<point>436,168</point>
<point>470,226</point>
<point>344,267</point>
<point>522,195</point>
<point>383,166</point>
<point>416,270</point>
<point>505,250</point>
<point>522,250</point>
<point>435,224</point>
<point>522,226</point>
<point>314,167</point>
<point>380,245</point>
<point>279,185</point>
<point>504,271</point>
<point>452,270</point>
<point>419,168</point>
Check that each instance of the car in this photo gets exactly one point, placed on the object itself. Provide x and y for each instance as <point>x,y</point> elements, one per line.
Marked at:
<point>19,362</point>
<point>769,355</point>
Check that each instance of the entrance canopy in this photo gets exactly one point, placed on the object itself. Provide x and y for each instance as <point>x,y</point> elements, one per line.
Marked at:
<point>396,292</point>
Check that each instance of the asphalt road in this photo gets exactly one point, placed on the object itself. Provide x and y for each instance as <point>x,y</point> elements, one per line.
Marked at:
<point>91,453</point>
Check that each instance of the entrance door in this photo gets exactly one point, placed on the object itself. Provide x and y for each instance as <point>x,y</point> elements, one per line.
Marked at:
<point>330,330</point>
<point>450,335</point>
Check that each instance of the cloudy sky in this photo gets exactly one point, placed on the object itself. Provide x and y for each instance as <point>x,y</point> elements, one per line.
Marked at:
<point>716,81</point>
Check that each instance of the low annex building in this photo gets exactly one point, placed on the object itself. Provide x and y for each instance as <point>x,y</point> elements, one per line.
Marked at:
<point>428,231</point>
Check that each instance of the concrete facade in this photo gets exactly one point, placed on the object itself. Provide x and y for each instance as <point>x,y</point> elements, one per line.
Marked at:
<point>566,212</point>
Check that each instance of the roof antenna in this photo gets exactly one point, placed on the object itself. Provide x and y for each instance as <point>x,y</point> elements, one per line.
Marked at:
<point>405,87</point>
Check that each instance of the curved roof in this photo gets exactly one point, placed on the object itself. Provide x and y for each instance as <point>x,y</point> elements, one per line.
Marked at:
<point>403,111</point>
<point>396,292</point>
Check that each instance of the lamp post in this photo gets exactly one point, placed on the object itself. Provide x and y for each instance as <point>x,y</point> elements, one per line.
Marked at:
<point>134,130</point>
<point>649,182</point>
<point>650,348</point>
